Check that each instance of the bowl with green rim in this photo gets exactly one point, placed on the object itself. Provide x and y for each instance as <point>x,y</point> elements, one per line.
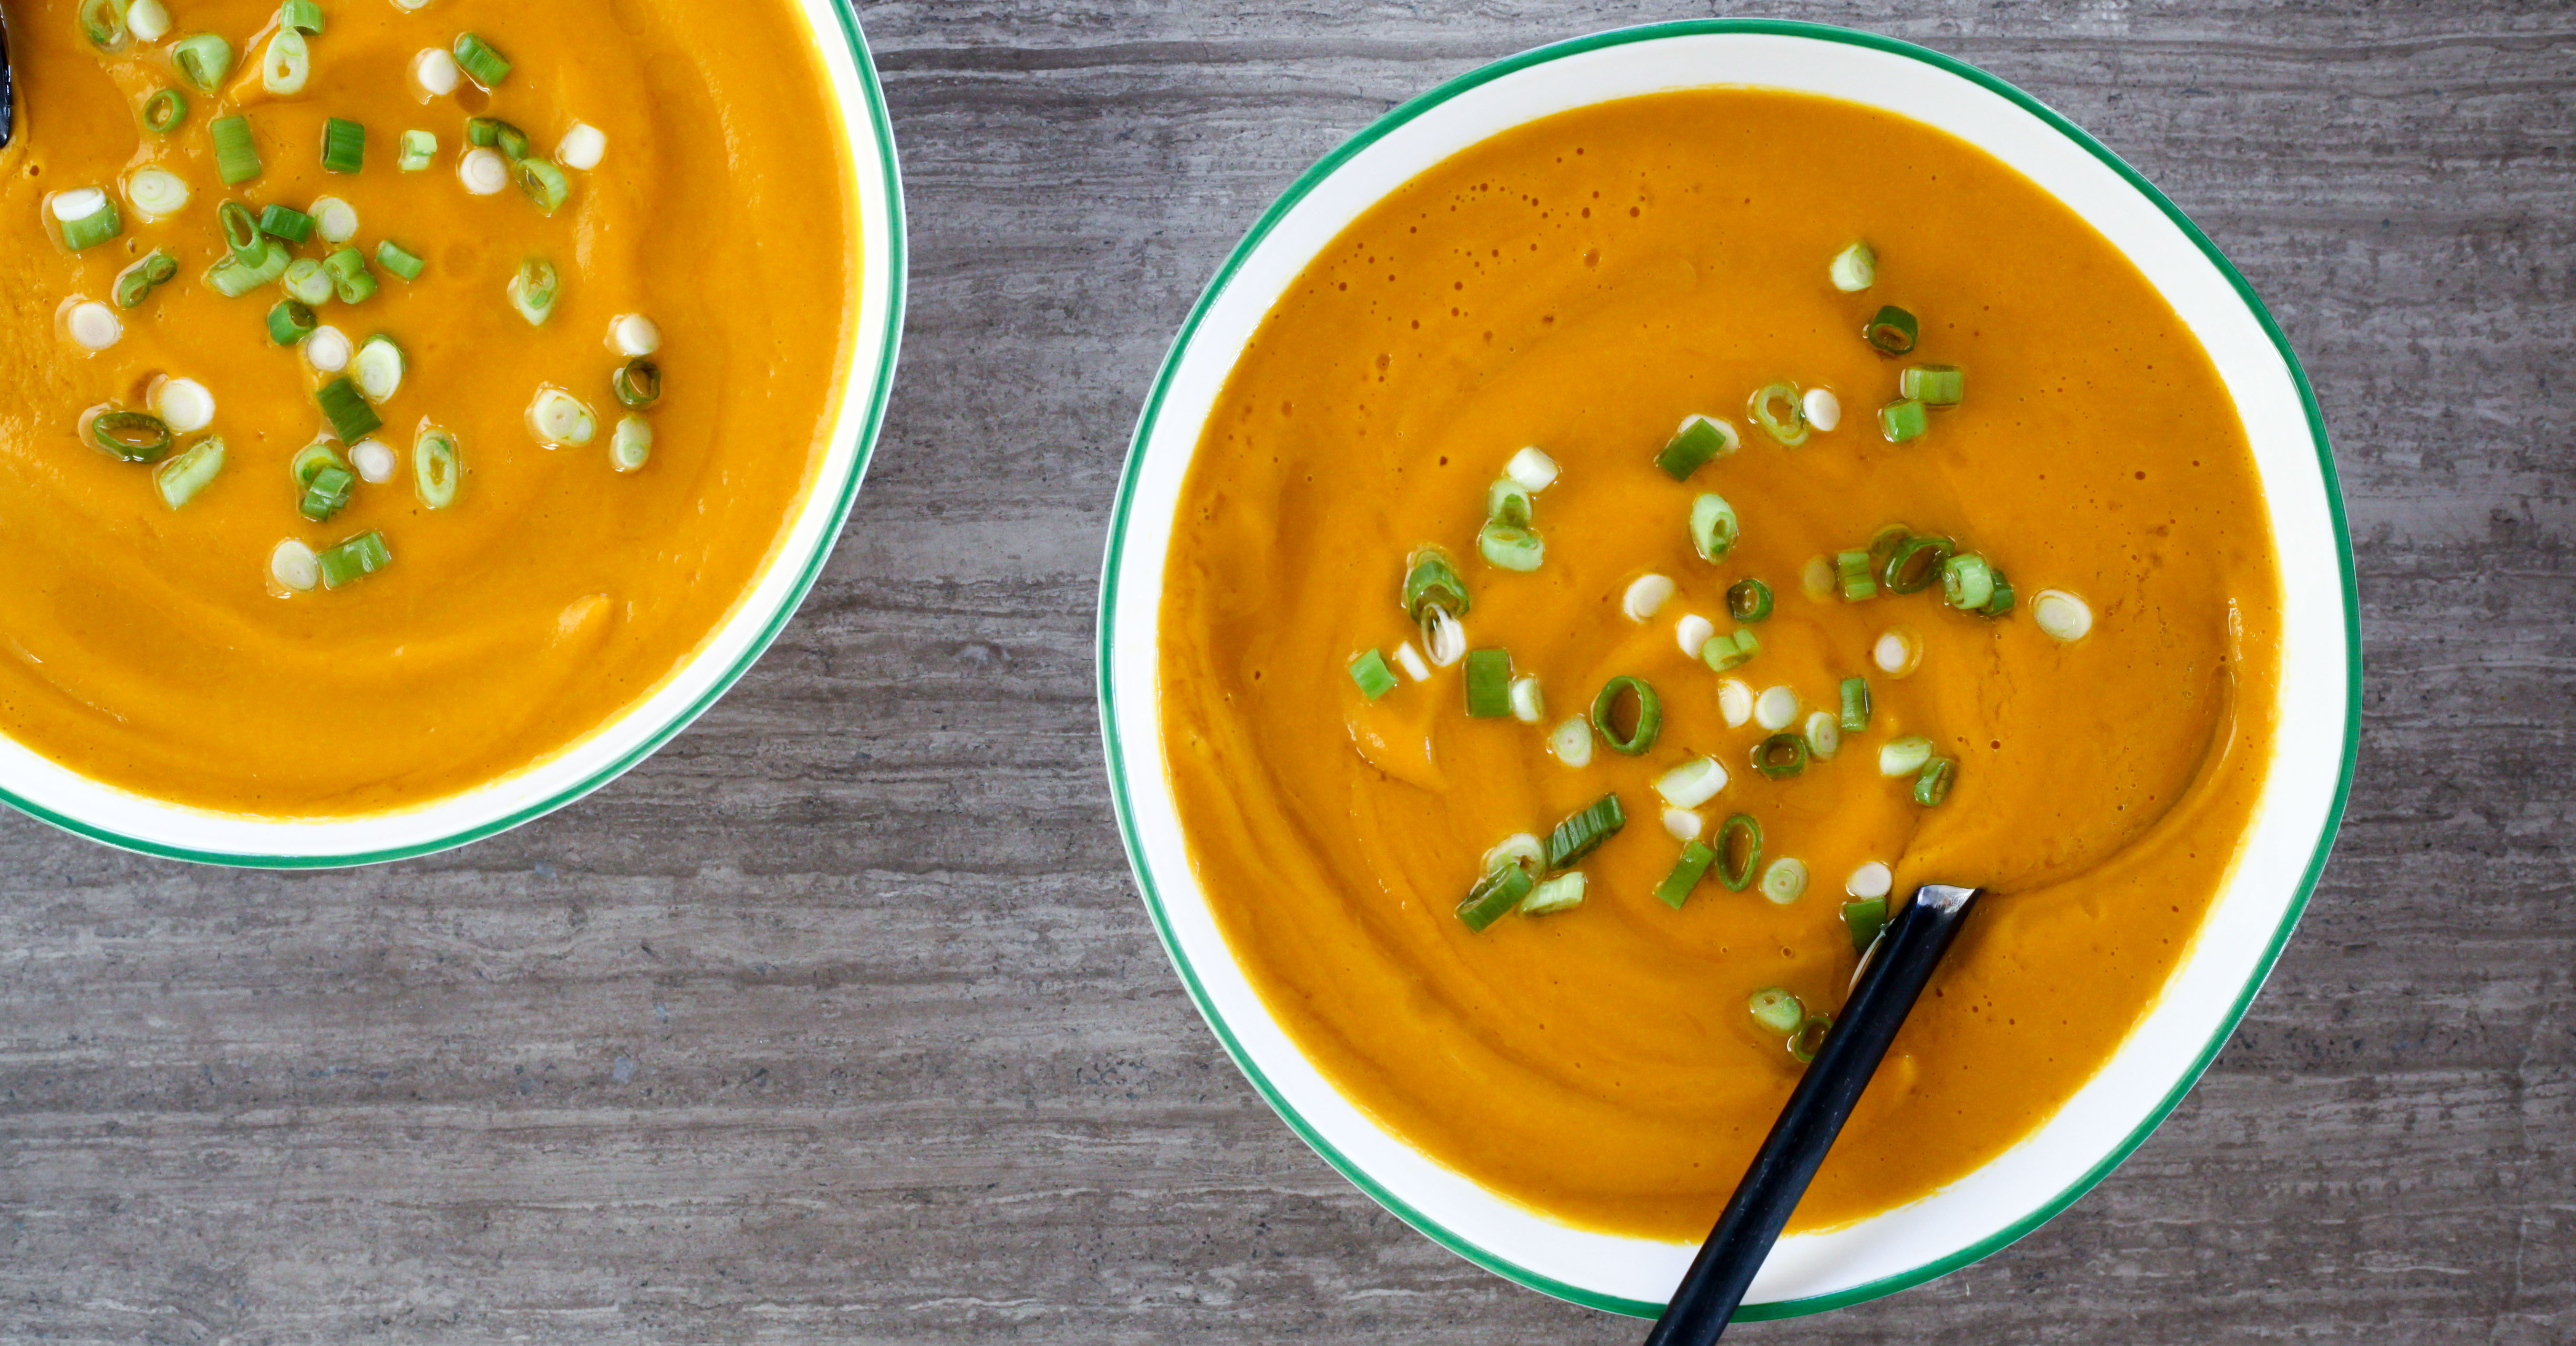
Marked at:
<point>47,790</point>
<point>2249,922</point>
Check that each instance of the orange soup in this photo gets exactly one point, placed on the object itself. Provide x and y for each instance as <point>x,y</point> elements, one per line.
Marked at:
<point>398,391</point>
<point>1985,596</point>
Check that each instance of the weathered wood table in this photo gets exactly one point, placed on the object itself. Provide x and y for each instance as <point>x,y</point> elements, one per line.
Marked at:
<point>840,1021</point>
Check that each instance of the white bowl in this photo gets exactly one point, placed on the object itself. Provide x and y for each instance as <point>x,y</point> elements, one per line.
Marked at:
<point>2284,850</point>
<point>45,789</point>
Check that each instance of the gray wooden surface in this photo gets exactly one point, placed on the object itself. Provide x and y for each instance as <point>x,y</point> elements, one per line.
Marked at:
<point>840,1021</point>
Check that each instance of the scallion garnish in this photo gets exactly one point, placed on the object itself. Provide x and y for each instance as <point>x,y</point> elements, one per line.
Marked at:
<point>1967,582</point>
<point>1580,835</point>
<point>1824,736</point>
<point>290,322</point>
<point>1903,421</point>
<point>344,146</point>
<point>630,446</point>
<point>437,467</point>
<point>637,383</point>
<point>1778,409</point>
<point>334,219</point>
<point>350,278</point>
<point>544,183</point>
<point>1500,890</point>
<point>303,16</point>
<point>203,60</point>
<point>350,416</point>
<point>1530,466</point>
<point>1562,893</point>
<point>1916,564</point>
<point>1489,684</point>
<point>2063,616</point>
<point>234,277</point>
<point>1780,756</point>
<point>236,157</point>
<point>310,461</point>
<point>356,558</point>
<point>1854,268</point>
<point>1691,784</point>
<point>1903,756</point>
<point>164,111</point>
<point>287,65</point>
<point>1739,851</point>
<point>558,417</point>
<point>1863,919</point>
<point>1431,580</point>
<point>180,479</point>
<point>1855,715</point>
<point>1699,439</point>
<point>134,283</point>
<point>2000,602</point>
<point>1748,600</point>
<point>1932,783</point>
<point>241,233</point>
<point>1369,670</point>
<point>1686,873</point>
<point>1810,1038</point>
<point>378,368</point>
<point>305,281</point>
<point>1892,330</point>
<point>1647,724</point>
<point>1713,527</point>
<point>1724,652</point>
<point>327,494</point>
<point>483,132</point>
<point>1529,704</point>
<point>286,222</point>
<point>481,60</point>
<point>135,436</point>
<point>400,260</point>
<point>533,290</point>
<point>1572,742</point>
<point>1933,385</point>
<point>86,217</point>
<point>1509,547</point>
<point>103,23</point>
<point>1776,1010</point>
<point>419,149</point>
<point>1784,881</point>
<point>1507,501</point>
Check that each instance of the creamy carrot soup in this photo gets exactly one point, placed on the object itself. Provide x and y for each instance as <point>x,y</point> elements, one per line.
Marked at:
<point>1645,547</point>
<point>398,389</point>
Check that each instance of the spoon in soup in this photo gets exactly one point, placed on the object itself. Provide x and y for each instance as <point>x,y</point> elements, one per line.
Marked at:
<point>8,89</point>
<point>1892,975</point>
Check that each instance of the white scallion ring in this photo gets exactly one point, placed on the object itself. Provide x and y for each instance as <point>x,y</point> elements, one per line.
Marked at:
<point>1734,702</point>
<point>483,171</point>
<point>1776,709</point>
<point>1646,596</point>
<point>182,404</point>
<point>582,147</point>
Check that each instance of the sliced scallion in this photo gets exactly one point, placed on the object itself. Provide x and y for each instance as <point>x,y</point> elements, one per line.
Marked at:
<point>1776,1010</point>
<point>234,277</point>
<point>437,467</point>
<point>1853,575</point>
<point>135,436</point>
<point>484,132</point>
<point>293,566</point>
<point>327,494</point>
<point>236,157</point>
<point>305,281</point>
<point>303,16</point>
<point>1531,466</point>
<point>1903,756</point>
<point>1725,652</point>
<point>203,60</point>
<point>2000,602</point>
<point>134,283</point>
<point>1916,563</point>
<point>1932,783</point>
<point>1739,851</point>
<point>1933,385</point>
<point>583,146</point>
<point>180,479</point>
<point>344,146</point>
<point>314,459</point>
<point>481,60</point>
<point>103,23</point>
<point>184,404</point>
<point>630,446</point>
<point>1443,639</point>
<point>1692,784</point>
<point>1784,881</point>
<point>1489,684</point>
<point>241,233</point>
<point>1431,580</point>
<point>1646,596</point>
<point>1713,527</point>
<point>1892,330</point>
<point>1500,890</point>
<point>1863,919</point>
<point>1647,723</point>
<point>334,219</point>
<point>1854,269</point>
<point>1871,879</point>
<point>1967,582</point>
<point>544,183</point>
<point>1903,421</point>
<point>400,260</point>
<point>557,417</point>
<point>533,290</point>
<point>1572,742</point>
<point>1699,439</point>
<point>1810,1038</point>
<point>1776,708</point>
<point>1369,670</point>
<point>1583,833</point>
<point>1735,702</point>
<point>86,217</point>
<point>1748,600</point>
<point>1824,736</point>
<point>419,150</point>
<point>483,171</point>
<point>286,222</point>
<point>164,111</point>
<point>637,383</point>
<point>290,322</point>
<point>350,278</point>
<point>1898,652</point>
<point>1780,756</point>
<point>1506,547</point>
<point>378,368</point>
<point>1529,704</point>
<point>287,65</point>
<point>1507,501</point>
<point>2062,615</point>
<point>1686,873</point>
<point>355,559</point>
<point>1781,413</point>
<point>1562,893</point>
<point>1855,713</point>
<point>350,416</point>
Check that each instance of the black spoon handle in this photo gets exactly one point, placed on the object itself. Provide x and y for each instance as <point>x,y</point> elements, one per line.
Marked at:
<point>8,89</point>
<point>1891,979</point>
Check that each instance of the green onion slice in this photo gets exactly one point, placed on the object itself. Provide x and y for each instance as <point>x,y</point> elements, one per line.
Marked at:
<point>1726,652</point>
<point>637,383</point>
<point>1580,835</point>
<point>287,65</point>
<point>1864,919</point>
<point>1916,564</point>
<point>630,444</point>
<point>1498,892</point>
<point>510,141</point>
<point>1562,893</point>
<point>310,461</point>
<point>1776,1010</point>
<point>103,23</point>
<point>1855,716</point>
<point>327,494</point>
<point>1999,603</point>
<point>1932,784</point>
<point>1507,547</point>
<point>1489,684</point>
<point>1780,756</point>
<point>1784,881</point>
<point>135,436</point>
<point>558,417</point>
<point>290,322</point>
<point>354,559</point>
<point>1431,580</point>
<point>1810,1038</point>
<point>96,224</point>
<point>241,233</point>
<point>533,289</point>
<point>1686,873</point>
<point>481,60</point>
<point>1903,421</point>
<point>1508,501</point>
<point>137,281</point>
<point>286,222</point>
<point>437,467</point>
<point>233,277</point>
<point>350,416</point>
<point>164,111</point>
<point>483,132</point>
<point>1713,527</point>
<point>350,278</point>
<point>236,157</point>
<point>344,146</point>
<point>180,479</point>
<point>1369,670</point>
<point>544,183</point>
<point>1891,330</point>
<point>1967,582</point>
<point>1649,722</point>
<point>305,281</point>
<point>1853,576</point>
<point>1748,600</point>
<point>1739,851</point>
<point>419,148</point>
<point>203,60</point>
<point>1700,439</point>
<point>1854,268</point>
<point>378,368</point>
<point>303,16</point>
<point>400,260</point>
<point>1933,385</point>
<point>1777,408</point>
<point>1904,756</point>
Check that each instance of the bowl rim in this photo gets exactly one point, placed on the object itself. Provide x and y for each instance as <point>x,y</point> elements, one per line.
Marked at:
<point>1119,769</point>
<point>869,113</point>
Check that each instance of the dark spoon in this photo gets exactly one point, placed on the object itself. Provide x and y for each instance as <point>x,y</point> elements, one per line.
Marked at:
<point>1891,978</point>
<point>8,91</point>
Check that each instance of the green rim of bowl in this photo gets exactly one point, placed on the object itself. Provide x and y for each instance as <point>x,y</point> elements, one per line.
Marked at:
<point>874,420</point>
<point>1462,1244</point>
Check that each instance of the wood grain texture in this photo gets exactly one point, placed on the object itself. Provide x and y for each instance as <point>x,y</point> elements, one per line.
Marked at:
<point>840,1021</point>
